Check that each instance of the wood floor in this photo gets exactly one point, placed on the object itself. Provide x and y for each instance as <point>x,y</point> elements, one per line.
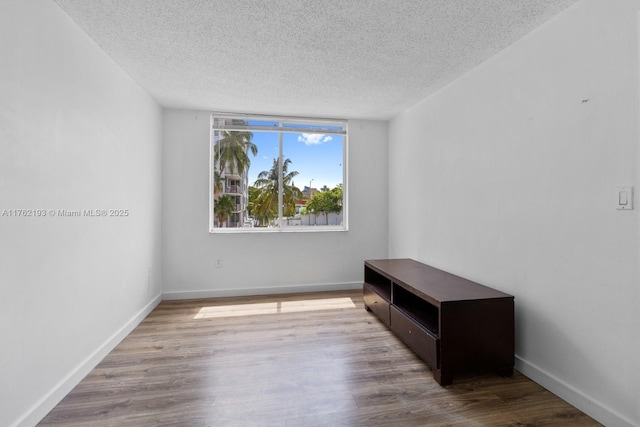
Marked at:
<point>296,360</point>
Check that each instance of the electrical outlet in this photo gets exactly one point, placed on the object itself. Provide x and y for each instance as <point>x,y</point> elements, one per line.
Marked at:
<point>219,263</point>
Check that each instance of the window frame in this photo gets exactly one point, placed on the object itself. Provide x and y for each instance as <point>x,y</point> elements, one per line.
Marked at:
<point>286,124</point>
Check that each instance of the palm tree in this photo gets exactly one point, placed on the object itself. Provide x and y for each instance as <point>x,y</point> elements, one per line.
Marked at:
<point>251,206</point>
<point>266,202</point>
<point>218,184</point>
<point>231,151</point>
<point>223,209</point>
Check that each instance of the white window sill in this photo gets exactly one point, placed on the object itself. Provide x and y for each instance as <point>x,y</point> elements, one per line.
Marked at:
<point>292,229</point>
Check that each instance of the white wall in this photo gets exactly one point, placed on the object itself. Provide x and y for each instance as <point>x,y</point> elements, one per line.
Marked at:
<point>75,133</point>
<point>264,262</point>
<point>507,177</point>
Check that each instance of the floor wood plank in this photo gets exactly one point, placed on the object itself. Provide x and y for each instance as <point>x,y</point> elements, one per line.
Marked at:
<point>321,363</point>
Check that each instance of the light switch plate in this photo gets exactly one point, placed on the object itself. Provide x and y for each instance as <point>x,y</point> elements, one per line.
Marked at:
<point>624,198</point>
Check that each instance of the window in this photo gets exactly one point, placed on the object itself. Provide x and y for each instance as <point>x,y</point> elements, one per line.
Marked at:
<point>277,174</point>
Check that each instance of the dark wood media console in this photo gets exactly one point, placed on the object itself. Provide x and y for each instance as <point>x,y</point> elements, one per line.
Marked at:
<point>453,324</point>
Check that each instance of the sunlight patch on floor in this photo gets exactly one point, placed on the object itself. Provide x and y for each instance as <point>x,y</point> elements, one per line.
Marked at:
<point>274,307</point>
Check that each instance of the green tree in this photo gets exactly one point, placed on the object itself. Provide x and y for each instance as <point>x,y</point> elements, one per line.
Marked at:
<point>326,202</point>
<point>223,208</point>
<point>218,185</point>
<point>251,206</point>
<point>337,195</point>
<point>311,208</point>
<point>265,205</point>
<point>231,151</point>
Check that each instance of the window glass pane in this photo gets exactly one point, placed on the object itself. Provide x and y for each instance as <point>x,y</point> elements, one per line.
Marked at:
<point>263,181</point>
<point>315,168</point>
<point>232,157</point>
<point>312,127</point>
<point>254,122</point>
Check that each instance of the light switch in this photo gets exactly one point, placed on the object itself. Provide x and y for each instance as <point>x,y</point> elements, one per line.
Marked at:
<point>625,198</point>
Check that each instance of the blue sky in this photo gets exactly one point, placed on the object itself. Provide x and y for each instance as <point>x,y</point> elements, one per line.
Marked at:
<point>314,156</point>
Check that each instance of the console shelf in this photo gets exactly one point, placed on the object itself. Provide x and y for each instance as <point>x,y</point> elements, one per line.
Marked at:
<point>453,324</point>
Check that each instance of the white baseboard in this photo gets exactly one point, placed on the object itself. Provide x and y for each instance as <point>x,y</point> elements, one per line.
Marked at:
<point>236,292</point>
<point>41,408</point>
<point>596,410</point>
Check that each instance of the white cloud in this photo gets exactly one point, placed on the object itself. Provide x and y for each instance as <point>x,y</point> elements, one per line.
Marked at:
<point>314,138</point>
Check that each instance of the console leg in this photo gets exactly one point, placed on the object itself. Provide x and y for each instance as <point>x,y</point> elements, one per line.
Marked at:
<point>442,379</point>
<point>505,371</point>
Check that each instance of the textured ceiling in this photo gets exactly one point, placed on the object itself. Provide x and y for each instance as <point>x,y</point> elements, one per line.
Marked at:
<point>332,58</point>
